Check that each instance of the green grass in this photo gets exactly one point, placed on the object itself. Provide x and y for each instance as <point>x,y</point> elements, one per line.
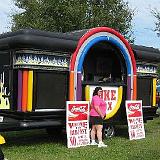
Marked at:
<point>37,145</point>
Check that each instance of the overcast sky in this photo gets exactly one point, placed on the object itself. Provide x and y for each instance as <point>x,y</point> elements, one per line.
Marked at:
<point>143,22</point>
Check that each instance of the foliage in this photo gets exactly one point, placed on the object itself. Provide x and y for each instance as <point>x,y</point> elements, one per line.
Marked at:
<point>69,15</point>
<point>156,14</point>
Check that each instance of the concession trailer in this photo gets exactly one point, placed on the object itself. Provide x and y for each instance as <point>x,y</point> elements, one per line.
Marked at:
<point>40,71</point>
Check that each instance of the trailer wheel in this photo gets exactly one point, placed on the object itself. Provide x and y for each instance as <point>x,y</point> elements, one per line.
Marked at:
<point>109,131</point>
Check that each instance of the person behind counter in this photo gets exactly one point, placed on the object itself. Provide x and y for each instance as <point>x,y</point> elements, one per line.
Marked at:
<point>97,114</point>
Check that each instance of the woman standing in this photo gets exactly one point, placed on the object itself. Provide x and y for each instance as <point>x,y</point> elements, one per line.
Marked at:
<point>97,114</point>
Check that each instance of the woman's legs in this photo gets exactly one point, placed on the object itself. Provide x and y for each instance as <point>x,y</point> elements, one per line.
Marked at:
<point>99,136</point>
<point>93,135</point>
<point>99,132</point>
<point>93,132</point>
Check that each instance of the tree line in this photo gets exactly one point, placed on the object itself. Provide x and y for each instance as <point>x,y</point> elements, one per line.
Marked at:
<point>69,15</point>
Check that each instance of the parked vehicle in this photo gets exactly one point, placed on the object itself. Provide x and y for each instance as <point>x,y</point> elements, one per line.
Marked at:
<point>42,70</point>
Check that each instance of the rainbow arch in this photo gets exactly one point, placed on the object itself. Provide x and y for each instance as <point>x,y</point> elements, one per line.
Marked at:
<point>92,37</point>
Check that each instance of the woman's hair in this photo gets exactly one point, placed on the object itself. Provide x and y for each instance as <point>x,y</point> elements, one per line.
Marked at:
<point>95,92</point>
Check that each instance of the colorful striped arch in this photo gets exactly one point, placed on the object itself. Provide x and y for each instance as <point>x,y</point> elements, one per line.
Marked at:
<point>92,37</point>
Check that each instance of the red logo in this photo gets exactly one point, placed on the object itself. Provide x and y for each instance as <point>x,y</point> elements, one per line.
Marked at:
<point>134,110</point>
<point>77,112</point>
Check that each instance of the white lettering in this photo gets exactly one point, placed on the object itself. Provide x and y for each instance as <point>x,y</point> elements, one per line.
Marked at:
<point>78,109</point>
<point>134,107</point>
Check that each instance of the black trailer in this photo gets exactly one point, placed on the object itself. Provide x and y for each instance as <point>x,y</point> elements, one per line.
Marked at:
<point>42,70</point>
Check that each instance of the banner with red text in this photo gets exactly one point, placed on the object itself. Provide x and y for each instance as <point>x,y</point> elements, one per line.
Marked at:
<point>135,119</point>
<point>77,123</point>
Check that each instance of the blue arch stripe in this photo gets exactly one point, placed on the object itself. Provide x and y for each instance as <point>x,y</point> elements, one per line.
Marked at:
<point>126,56</point>
<point>104,38</point>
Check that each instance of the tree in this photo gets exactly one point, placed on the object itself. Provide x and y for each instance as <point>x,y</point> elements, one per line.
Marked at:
<point>156,14</point>
<point>69,15</point>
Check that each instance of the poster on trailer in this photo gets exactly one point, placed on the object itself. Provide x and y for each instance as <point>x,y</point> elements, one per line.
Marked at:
<point>135,120</point>
<point>77,123</point>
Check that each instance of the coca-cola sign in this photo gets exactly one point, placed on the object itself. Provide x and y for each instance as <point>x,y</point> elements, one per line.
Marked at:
<point>77,112</point>
<point>135,119</point>
<point>77,123</point>
<point>134,106</point>
<point>134,110</point>
<point>78,108</point>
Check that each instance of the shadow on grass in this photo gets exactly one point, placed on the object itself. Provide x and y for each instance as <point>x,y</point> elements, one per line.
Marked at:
<point>27,138</point>
<point>121,131</point>
<point>40,136</point>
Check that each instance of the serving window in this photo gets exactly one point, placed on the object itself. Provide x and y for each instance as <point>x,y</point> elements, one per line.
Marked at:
<point>106,65</point>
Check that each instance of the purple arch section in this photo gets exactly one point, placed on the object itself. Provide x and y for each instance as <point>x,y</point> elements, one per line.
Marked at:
<point>79,87</point>
<point>19,98</point>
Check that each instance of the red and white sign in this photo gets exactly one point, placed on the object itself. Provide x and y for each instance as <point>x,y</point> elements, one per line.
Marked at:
<point>77,123</point>
<point>135,120</point>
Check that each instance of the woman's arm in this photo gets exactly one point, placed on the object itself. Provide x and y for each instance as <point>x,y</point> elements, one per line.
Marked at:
<point>99,111</point>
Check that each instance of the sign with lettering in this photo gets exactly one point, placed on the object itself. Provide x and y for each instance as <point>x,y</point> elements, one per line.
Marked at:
<point>77,123</point>
<point>135,120</point>
<point>109,94</point>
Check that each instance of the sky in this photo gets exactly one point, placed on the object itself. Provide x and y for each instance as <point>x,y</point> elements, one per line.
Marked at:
<point>143,21</point>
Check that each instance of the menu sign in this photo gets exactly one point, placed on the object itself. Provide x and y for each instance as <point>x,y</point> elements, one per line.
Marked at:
<point>135,119</point>
<point>77,123</point>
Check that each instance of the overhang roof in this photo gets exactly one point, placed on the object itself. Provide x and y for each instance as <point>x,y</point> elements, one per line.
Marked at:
<point>66,42</point>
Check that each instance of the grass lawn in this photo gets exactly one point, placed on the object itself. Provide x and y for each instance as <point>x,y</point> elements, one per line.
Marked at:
<point>37,145</point>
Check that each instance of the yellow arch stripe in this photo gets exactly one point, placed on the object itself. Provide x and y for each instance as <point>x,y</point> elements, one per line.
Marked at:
<point>120,91</point>
<point>30,91</point>
<point>87,96</point>
<point>154,93</point>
